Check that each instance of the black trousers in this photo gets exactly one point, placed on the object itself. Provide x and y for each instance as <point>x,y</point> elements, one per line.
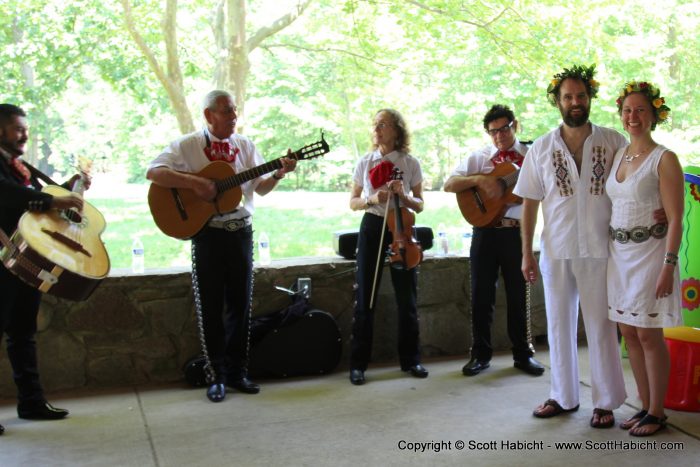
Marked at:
<point>224,267</point>
<point>405,286</point>
<point>19,307</point>
<point>491,250</point>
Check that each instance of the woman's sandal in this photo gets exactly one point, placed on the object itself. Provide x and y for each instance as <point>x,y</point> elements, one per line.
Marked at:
<point>649,420</point>
<point>630,422</point>
<point>602,413</point>
<point>558,409</point>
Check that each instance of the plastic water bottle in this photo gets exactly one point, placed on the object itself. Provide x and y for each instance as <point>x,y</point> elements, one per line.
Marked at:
<point>466,241</point>
<point>137,256</point>
<point>443,241</point>
<point>264,249</point>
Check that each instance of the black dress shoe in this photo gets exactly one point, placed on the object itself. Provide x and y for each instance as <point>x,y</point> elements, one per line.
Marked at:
<point>2,429</point>
<point>530,366</point>
<point>245,385</point>
<point>216,392</point>
<point>474,367</point>
<point>418,371</point>
<point>357,377</point>
<point>39,410</point>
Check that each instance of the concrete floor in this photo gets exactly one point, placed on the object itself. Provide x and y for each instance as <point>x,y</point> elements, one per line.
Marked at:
<point>325,421</point>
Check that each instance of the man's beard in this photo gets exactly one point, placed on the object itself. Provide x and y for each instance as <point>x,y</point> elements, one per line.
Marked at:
<point>577,121</point>
<point>14,149</point>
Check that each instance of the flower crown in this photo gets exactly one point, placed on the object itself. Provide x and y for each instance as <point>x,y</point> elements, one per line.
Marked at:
<point>579,72</point>
<point>652,93</point>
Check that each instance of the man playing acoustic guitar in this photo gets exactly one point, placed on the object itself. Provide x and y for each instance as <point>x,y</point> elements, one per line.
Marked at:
<point>20,191</point>
<point>495,245</point>
<point>222,252</point>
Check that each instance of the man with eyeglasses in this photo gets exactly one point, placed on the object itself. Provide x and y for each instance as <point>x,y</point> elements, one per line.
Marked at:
<point>496,246</point>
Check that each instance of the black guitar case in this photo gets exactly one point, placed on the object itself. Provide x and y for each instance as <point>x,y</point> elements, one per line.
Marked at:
<point>295,341</point>
<point>310,345</point>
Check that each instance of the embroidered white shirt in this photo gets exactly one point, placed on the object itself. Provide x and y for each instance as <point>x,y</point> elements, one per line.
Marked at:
<point>575,208</point>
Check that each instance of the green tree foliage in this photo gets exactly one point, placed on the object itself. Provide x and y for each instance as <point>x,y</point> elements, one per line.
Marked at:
<point>118,80</point>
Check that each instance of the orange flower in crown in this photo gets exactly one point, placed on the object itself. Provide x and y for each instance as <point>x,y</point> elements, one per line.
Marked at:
<point>652,93</point>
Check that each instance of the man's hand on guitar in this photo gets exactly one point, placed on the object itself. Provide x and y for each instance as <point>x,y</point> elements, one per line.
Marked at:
<point>72,201</point>
<point>491,186</point>
<point>288,165</point>
<point>86,179</point>
<point>204,188</point>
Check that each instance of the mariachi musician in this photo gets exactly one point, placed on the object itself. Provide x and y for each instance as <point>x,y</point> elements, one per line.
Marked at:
<point>222,252</point>
<point>372,191</point>
<point>496,245</point>
<point>20,191</point>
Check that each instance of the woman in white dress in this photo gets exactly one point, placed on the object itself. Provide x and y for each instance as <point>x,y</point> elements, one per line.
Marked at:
<point>643,282</point>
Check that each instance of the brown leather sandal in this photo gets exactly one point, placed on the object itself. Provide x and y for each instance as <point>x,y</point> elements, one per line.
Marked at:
<point>649,420</point>
<point>600,413</point>
<point>633,420</point>
<point>558,409</point>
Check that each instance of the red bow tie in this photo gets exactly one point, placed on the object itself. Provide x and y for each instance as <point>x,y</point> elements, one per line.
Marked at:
<point>221,147</point>
<point>381,174</point>
<point>508,156</point>
<point>221,150</point>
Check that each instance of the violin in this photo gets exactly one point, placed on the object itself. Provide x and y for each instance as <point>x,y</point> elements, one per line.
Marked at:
<point>404,252</point>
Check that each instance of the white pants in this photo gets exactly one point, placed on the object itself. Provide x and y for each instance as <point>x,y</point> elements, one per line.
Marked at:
<point>566,282</point>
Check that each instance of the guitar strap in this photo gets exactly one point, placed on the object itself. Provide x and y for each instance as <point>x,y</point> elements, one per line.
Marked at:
<point>39,174</point>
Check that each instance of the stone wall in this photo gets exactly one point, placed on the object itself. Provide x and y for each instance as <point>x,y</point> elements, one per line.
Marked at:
<point>140,329</point>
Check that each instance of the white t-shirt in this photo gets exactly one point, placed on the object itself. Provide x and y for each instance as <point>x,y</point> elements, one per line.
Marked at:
<point>409,165</point>
<point>481,162</point>
<point>186,154</point>
<point>575,207</point>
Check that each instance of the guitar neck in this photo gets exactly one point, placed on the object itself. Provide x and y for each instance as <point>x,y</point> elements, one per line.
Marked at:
<point>251,174</point>
<point>511,179</point>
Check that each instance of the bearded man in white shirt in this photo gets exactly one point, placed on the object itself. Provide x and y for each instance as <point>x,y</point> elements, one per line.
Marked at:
<point>566,171</point>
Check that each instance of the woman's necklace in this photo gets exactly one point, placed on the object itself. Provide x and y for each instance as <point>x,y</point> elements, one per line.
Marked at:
<point>631,157</point>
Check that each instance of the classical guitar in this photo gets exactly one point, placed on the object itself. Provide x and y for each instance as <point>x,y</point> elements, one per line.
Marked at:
<point>179,213</point>
<point>59,252</point>
<point>482,211</point>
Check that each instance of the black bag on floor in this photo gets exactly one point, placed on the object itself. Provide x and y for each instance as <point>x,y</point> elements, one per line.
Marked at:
<point>309,345</point>
<point>295,341</point>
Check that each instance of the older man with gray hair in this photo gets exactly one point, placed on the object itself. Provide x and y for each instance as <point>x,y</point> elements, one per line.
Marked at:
<point>222,252</point>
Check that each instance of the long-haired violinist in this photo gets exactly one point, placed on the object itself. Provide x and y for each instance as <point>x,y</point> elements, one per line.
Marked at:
<point>375,191</point>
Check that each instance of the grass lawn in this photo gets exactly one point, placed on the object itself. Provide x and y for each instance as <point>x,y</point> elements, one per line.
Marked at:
<point>298,224</point>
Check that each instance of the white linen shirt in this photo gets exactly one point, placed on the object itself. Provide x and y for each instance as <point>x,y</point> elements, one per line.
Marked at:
<point>186,154</point>
<point>575,208</point>
<point>406,163</point>
<point>481,162</point>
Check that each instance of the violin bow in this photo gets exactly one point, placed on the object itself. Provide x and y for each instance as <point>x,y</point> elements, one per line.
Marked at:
<point>379,257</point>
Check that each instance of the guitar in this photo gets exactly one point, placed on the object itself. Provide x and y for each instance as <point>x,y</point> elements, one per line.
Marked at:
<point>179,213</point>
<point>481,211</point>
<point>59,252</point>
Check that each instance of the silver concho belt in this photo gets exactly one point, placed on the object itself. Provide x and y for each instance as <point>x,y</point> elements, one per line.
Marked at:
<point>232,224</point>
<point>638,234</point>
